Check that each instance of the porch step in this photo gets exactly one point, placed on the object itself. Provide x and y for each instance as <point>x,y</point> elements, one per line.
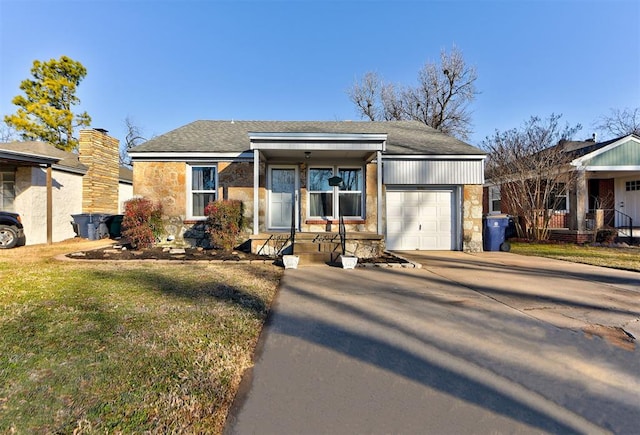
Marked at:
<point>307,258</point>
<point>313,252</point>
<point>314,247</point>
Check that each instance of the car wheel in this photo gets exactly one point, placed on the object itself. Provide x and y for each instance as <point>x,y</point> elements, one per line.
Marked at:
<point>8,237</point>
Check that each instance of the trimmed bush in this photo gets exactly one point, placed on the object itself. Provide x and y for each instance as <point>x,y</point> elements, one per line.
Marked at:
<point>142,222</point>
<point>225,220</point>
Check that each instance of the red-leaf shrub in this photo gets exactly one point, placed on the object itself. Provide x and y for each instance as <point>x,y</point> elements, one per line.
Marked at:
<point>225,220</point>
<point>142,222</point>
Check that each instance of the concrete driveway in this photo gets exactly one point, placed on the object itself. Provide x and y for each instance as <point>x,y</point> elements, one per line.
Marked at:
<point>470,343</point>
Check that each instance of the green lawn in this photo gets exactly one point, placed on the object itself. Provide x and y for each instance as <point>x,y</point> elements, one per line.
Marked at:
<point>124,347</point>
<point>618,258</point>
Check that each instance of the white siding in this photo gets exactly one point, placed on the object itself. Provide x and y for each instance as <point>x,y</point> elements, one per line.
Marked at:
<point>441,172</point>
<point>125,193</point>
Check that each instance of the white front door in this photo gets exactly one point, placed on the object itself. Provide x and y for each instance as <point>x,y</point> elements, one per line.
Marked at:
<point>421,219</point>
<point>282,196</point>
<point>628,200</point>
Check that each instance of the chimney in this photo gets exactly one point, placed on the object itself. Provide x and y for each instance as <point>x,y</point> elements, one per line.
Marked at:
<point>99,152</point>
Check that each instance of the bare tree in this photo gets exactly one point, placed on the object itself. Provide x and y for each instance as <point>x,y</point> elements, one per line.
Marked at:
<point>620,122</point>
<point>440,99</point>
<point>133,138</point>
<point>7,132</point>
<point>532,167</point>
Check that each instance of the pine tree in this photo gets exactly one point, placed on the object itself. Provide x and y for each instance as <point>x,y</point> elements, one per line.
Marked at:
<point>44,111</point>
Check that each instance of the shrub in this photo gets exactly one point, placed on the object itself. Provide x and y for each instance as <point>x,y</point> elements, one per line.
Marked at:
<point>225,220</point>
<point>606,235</point>
<point>142,222</point>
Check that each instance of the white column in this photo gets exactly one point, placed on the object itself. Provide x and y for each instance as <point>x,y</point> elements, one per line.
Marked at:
<point>256,191</point>
<point>379,182</point>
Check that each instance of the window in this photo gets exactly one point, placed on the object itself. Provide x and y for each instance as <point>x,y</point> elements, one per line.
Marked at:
<point>325,200</point>
<point>495,199</point>
<point>320,193</point>
<point>631,186</point>
<point>7,189</point>
<point>203,189</point>
<point>350,192</point>
<point>558,198</point>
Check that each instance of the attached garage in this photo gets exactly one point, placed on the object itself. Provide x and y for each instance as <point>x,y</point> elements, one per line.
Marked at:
<point>423,219</point>
<point>424,207</point>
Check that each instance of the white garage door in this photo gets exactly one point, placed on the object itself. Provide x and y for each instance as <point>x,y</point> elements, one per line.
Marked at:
<point>420,219</point>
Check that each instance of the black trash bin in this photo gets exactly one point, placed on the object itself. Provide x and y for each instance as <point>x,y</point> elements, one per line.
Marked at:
<point>493,234</point>
<point>114,222</point>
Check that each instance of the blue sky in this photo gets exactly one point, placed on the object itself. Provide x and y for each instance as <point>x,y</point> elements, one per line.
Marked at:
<point>168,63</point>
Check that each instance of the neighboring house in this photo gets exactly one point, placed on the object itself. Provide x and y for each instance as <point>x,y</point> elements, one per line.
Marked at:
<point>605,194</point>
<point>403,182</point>
<point>88,182</point>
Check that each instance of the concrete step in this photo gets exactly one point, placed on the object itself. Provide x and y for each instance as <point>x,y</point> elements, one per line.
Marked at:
<point>311,247</point>
<point>307,258</point>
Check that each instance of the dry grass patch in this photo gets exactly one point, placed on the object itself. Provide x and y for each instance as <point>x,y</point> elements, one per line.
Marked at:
<point>617,258</point>
<point>124,347</point>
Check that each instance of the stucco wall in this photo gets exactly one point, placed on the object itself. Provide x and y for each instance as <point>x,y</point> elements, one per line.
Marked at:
<point>31,203</point>
<point>472,218</point>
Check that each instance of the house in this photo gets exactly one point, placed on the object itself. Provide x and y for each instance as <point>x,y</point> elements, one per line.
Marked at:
<point>47,185</point>
<point>605,193</point>
<point>401,183</point>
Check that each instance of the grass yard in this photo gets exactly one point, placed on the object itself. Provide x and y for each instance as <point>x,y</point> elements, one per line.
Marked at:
<point>617,258</point>
<point>124,347</point>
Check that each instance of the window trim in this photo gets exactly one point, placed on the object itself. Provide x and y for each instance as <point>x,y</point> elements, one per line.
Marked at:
<point>336,192</point>
<point>492,197</point>
<point>632,186</point>
<point>12,171</point>
<point>190,191</point>
<point>565,195</point>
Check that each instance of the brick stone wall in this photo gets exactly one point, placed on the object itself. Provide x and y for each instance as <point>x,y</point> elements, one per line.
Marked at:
<point>163,182</point>
<point>472,218</point>
<point>100,154</point>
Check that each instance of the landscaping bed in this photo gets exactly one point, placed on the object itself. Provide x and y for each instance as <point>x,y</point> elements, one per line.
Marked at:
<point>120,252</point>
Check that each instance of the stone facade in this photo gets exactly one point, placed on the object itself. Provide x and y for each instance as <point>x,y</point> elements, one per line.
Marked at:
<point>166,182</point>
<point>100,154</point>
<point>472,218</point>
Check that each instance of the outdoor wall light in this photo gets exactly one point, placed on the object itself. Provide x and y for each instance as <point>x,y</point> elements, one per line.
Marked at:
<point>307,155</point>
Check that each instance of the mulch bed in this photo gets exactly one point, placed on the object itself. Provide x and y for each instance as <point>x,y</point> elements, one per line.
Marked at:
<point>160,253</point>
<point>125,252</point>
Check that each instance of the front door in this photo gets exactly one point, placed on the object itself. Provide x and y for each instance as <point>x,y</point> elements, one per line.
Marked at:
<point>282,196</point>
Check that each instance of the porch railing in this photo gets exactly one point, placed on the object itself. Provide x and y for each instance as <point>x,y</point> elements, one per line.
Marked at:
<point>293,228</point>
<point>626,222</point>
<point>343,235</point>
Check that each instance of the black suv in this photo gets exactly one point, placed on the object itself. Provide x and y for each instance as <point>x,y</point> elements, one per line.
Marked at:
<point>11,230</point>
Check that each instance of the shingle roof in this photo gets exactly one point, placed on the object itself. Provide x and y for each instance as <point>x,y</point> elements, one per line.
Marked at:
<point>403,137</point>
<point>67,159</point>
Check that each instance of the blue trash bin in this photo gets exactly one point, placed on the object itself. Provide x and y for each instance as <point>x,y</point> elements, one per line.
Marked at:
<point>82,223</point>
<point>493,235</point>
<point>88,224</point>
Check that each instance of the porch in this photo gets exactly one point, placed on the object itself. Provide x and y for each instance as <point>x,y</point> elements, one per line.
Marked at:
<point>318,247</point>
<point>621,227</point>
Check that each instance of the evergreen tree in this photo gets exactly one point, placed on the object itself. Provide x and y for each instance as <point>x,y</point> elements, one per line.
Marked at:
<point>45,110</point>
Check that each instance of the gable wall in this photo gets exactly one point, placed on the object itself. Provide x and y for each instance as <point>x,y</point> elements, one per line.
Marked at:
<point>627,154</point>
